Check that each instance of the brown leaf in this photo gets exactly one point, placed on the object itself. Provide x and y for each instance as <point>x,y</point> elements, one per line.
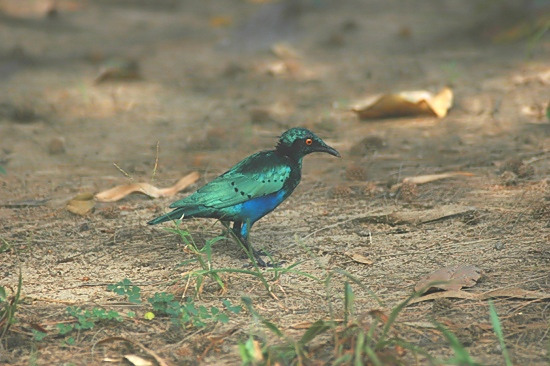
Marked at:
<point>421,179</point>
<point>406,103</point>
<point>458,294</point>
<point>160,361</point>
<point>180,184</point>
<point>119,192</point>
<point>359,258</point>
<point>513,292</point>
<point>137,361</point>
<point>454,278</point>
<point>428,178</point>
<point>81,204</point>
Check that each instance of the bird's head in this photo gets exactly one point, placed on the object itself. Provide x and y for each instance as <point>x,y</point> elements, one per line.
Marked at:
<point>298,142</point>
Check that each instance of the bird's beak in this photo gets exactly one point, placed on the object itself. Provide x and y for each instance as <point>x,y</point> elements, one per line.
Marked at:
<point>329,150</point>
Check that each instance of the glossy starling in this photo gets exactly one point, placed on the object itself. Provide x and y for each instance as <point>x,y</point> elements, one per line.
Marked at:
<point>252,188</point>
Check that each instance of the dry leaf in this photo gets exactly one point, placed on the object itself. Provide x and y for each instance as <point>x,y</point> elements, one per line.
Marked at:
<point>406,103</point>
<point>137,361</point>
<point>81,204</point>
<point>119,192</point>
<point>455,278</point>
<point>422,179</point>
<point>153,354</point>
<point>113,360</point>
<point>359,258</point>
<point>513,292</point>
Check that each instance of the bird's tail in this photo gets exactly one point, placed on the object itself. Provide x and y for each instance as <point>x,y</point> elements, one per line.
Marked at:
<point>177,214</point>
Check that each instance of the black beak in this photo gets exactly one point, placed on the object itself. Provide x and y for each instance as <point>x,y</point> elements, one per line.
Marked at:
<point>329,150</point>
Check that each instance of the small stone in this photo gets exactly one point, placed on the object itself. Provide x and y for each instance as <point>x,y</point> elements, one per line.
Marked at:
<point>499,245</point>
<point>56,146</point>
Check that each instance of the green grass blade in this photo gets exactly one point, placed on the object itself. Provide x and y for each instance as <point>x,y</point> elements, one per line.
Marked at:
<point>372,356</point>
<point>359,283</point>
<point>498,331</point>
<point>348,302</point>
<point>462,357</point>
<point>11,307</point>
<point>359,343</point>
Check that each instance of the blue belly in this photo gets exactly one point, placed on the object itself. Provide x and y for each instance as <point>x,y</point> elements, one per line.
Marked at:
<point>257,208</point>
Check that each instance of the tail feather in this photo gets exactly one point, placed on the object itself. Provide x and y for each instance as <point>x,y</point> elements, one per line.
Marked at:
<point>177,214</point>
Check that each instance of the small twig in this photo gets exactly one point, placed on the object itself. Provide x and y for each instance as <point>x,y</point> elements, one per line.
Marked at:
<point>156,162</point>
<point>123,172</point>
<point>110,283</point>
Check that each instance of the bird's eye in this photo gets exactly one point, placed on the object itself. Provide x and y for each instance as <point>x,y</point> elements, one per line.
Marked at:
<point>309,141</point>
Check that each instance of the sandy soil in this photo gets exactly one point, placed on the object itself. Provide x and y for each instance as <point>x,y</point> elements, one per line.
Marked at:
<point>212,91</point>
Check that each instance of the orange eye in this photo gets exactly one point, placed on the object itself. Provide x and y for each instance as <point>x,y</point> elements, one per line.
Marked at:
<point>309,141</point>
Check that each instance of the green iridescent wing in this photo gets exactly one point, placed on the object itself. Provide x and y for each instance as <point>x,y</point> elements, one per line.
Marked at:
<point>258,175</point>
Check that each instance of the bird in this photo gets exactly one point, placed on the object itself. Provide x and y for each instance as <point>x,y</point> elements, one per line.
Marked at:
<point>253,187</point>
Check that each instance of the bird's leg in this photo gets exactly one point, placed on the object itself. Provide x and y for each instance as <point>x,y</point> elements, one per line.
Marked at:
<point>243,236</point>
<point>237,228</point>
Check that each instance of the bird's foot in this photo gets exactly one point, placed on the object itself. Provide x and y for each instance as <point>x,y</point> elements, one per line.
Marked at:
<point>260,252</point>
<point>276,264</point>
<point>261,263</point>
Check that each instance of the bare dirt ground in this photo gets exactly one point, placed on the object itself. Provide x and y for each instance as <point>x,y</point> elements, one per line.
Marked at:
<point>206,96</point>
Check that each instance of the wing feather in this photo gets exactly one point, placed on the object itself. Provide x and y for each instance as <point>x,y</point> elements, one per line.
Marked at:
<point>259,175</point>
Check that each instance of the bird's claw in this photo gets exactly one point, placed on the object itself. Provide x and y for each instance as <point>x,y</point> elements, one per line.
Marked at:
<point>262,263</point>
